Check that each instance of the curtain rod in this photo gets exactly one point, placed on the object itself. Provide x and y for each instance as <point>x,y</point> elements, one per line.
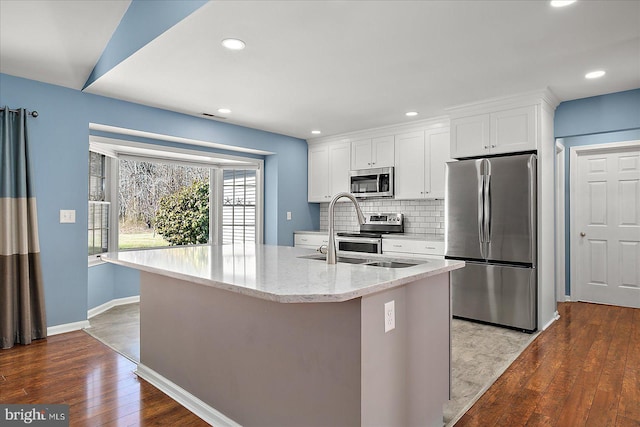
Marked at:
<point>30,113</point>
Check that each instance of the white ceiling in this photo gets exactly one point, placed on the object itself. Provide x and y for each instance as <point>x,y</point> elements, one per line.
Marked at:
<point>336,66</point>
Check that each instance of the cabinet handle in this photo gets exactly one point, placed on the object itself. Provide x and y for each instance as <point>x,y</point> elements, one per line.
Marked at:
<point>493,145</point>
<point>397,246</point>
<point>303,239</point>
<point>430,247</point>
<point>373,163</point>
<point>369,163</point>
<point>486,147</point>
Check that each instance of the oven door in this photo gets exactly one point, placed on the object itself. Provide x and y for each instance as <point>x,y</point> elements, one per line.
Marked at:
<point>359,244</point>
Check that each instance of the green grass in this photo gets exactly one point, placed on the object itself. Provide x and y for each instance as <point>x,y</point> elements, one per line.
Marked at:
<point>140,240</point>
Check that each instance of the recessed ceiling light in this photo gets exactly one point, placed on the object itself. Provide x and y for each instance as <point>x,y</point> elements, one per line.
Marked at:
<point>233,44</point>
<point>561,3</point>
<point>411,113</point>
<point>594,74</point>
<point>316,132</point>
<point>224,110</point>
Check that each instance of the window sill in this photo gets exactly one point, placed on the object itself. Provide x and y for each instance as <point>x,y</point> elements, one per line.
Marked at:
<point>95,260</point>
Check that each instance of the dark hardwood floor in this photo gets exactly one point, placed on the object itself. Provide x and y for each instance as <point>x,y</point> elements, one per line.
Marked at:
<point>584,370</point>
<point>96,382</point>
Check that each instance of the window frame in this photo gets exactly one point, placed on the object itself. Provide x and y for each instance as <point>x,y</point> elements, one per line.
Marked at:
<point>116,149</point>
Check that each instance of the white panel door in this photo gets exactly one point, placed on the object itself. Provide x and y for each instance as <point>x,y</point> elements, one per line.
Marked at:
<point>608,225</point>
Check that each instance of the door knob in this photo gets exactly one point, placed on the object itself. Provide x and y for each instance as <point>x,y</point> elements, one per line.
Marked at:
<point>582,234</point>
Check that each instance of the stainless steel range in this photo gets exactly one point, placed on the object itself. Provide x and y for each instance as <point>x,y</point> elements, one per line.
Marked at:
<point>369,239</point>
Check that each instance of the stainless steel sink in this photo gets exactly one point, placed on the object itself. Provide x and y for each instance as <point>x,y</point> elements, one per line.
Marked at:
<point>362,261</point>
<point>348,260</point>
<point>391,264</point>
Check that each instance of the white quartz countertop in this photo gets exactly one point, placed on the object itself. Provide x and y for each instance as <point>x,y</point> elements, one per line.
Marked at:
<point>276,273</point>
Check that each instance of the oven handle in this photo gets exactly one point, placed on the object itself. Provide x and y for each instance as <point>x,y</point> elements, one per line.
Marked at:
<point>359,239</point>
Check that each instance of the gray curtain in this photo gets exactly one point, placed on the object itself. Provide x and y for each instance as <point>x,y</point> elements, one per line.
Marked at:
<point>22,310</point>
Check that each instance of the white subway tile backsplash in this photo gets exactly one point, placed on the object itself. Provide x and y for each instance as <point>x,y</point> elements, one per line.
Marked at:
<point>420,216</point>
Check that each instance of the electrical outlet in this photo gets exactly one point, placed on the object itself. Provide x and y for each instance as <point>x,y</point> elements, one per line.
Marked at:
<point>389,316</point>
<point>288,216</point>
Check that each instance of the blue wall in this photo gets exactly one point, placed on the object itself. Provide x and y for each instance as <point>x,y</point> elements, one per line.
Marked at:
<point>597,120</point>
<point>59,140</point>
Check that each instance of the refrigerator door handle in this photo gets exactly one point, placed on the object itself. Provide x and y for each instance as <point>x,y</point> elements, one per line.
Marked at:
<point>481,200</point>
<point>487,208</point>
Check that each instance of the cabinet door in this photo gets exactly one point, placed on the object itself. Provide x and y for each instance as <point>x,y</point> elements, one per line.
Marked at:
<point>382,152</point>
<point>361,154</point>
<point>513,130</point>
<point>470,136</point>
<point>438,155</point>
<point>339,166</point>
<point>318,177</point>
<point>409,160</point>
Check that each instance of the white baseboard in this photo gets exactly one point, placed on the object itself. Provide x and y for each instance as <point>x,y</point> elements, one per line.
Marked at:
<point>556,316</point>
<point>186,399</point>
<point>67,327</point>
<point>110,304</point>
<point>567,298</point>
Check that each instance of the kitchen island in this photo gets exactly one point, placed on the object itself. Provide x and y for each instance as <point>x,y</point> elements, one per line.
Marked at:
<point>255,335</point>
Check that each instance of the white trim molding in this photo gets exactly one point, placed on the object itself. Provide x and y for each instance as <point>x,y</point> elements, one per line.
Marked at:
<point>67,327</point>
<point>110,304</point>
<point>186,399</point>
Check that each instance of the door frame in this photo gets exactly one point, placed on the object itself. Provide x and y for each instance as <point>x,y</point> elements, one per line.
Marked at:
<point>560,285</point>
<point>575,152</point>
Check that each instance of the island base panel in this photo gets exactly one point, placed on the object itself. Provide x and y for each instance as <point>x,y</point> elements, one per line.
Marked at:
<point>260,363</point>
<point>405,372</point>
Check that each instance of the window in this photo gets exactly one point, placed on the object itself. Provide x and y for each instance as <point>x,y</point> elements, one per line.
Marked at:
<point>162,204</point>
<point>158,193</point>
<point>99,207</point>
<point>239,206</point>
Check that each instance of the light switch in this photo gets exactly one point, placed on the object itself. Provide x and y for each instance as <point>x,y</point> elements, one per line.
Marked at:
<point>67,216</point>
<point>288,216</point>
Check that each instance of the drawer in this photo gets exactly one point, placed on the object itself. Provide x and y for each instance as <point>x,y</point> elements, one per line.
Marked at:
<point>419,247</point>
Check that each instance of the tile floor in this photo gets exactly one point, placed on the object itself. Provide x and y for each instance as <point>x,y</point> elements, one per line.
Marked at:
<point>480,353</point>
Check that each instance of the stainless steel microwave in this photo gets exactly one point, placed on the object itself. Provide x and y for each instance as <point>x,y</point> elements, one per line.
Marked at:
<point>372,182</point>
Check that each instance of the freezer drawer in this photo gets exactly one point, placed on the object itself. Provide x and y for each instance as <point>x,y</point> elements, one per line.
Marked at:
<point>503,295</point>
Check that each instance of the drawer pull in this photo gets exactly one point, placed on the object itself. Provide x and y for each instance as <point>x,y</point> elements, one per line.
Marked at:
<point>430,247</point>
<point>303,239</point>
<point>397,246</point>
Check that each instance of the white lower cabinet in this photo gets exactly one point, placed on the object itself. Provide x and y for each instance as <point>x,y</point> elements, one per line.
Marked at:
<point>310,240</point>
<point>412,248</point>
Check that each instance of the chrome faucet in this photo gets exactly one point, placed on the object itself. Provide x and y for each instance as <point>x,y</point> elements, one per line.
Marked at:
<point>331,250</point>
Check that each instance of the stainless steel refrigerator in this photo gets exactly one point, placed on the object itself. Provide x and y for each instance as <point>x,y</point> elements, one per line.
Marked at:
<point>490,207</point>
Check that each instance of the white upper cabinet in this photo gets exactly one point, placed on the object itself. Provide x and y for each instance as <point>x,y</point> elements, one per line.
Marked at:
<point>329,166</point>
<point>372,152</point>
<point>470,136</point>
<point>438,144</point>
<point>506,131</point>
<point>410,166</point>
<point>513,130</point>
<point>420,164</point>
